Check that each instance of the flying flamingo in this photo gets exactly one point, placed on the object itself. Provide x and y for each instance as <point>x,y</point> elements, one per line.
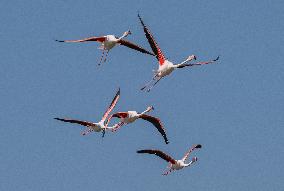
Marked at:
<point>97,127</point>
<point>110,41</point>
<point>131,116</point>
<point>173,164</point>
<point>165,66</point>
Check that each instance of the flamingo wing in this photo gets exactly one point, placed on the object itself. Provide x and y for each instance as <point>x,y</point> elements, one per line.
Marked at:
<point>118,115</point>
<point>134,46</point>
<point>84,123</point>
<point>112,105</point>
<point>198,146</point>
<point>159,154</point>
<point>158,124</point>
<point>94,38</point>
<point>198,63</point>
<point>158,52</point>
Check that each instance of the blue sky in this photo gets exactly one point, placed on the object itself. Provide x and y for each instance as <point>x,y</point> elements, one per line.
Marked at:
<point>234,108</point>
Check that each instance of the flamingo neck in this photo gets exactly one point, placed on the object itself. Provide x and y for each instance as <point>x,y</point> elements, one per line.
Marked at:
<point>123,36</point>
<point>187,60</point>
<point>146,111</point>
<point>190,163</point>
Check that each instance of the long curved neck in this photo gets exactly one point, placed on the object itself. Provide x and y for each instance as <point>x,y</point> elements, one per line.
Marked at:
<point>190,163</point>
<point>190,58</point>
<point>146,111</point>
<point>125,34</point>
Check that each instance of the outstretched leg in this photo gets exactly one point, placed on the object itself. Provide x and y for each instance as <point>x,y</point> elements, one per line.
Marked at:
<point>103,54</point>
<point>106,56</point>
<point>167,172</point>
<point>86,132</point>
<point>117,126</point>
<point>149,89</point>
<point>148,83</point>
<point>169,169</point>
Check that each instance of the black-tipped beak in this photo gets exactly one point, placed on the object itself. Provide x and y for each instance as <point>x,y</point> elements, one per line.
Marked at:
<point>59,40</point>
<point>198,146</point>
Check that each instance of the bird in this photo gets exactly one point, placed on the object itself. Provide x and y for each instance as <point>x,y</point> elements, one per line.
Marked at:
<point>166,67</point>
<point>131,116</point>
<point>173,164</point>
<point>97,127</point>
<point>110,41</point>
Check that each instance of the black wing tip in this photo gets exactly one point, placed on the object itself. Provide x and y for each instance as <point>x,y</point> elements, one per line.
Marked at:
<point>118,91</point>
<point>59,119</point>
<point>140,151</point>
<point>166,139</point>
<point>147,151</point>
<point>140,19</point>
<point>217,58</point>
<point>59,40</point>
<point>198,146</point>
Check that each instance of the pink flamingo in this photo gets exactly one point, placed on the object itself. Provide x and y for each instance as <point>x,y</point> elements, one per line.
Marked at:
<point>173,164</point>
<point>131,116</point>
<point>110,41</point>
<point>165,66</point>
<point>101,125</point>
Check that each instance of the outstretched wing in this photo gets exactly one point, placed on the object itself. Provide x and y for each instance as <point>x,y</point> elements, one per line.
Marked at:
<point>94,38</point>
<point>198,63</point>
<point>158,124</point>
<point>134,46</point>
<point>84,123</point>
<point>112,105</point>
<point>190,150</point>
<point>158,52</point>
<point>158,153</point>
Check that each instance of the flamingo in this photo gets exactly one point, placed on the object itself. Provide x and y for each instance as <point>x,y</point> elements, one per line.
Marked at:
<point>131,116</point>
<point>110,41</point>
<point>166,67</point>
<point>173,164</point>
<point>97,127</point>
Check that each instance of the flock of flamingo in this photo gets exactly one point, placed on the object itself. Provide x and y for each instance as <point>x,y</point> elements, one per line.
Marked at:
<point>165,68</point>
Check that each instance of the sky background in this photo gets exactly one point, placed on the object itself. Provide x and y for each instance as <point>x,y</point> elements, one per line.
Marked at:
<point>235,108</point>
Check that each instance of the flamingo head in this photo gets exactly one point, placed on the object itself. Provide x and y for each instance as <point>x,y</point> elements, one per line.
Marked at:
<point>150,108</point>
<point>191,57</point>
<point>126,33</point>
<point>194,159</point>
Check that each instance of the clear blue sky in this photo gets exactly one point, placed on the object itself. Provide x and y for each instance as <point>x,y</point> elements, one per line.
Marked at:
<point>234,108</point>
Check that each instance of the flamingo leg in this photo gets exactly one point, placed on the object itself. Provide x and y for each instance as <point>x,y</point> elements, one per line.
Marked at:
<point>169,169</point>
<point>148,83</point>
<point>106,56</point>
<point>86,132</point>
<point>167,172</point>
<point>117,126</point>
<point>149,89</point>
<point>103,53</point>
